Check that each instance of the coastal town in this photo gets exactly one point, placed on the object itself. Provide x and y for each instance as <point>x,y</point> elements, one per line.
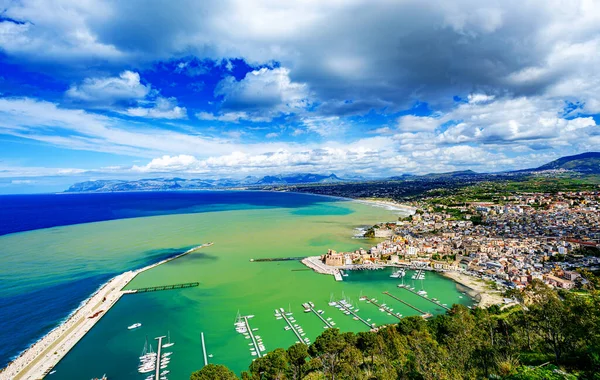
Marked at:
<point>508,243</point>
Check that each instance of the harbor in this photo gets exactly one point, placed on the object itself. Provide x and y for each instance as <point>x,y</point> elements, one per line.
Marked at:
<point>228,281</point>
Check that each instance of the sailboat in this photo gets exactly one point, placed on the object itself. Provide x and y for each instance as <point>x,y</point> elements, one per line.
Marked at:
<point>240,324</point>
<point>332,301</point>
<point>422,292</point>
<point>168,344</point>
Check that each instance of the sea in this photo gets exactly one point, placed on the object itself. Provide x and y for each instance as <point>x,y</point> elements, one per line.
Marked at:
<point>57,249</point>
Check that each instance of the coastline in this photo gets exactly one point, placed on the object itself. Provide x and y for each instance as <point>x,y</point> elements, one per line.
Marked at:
<point>38,359</point>
<point>478,289</point>
<point>390,205</point>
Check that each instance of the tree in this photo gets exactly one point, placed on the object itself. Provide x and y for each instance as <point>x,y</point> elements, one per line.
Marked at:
<point>271,366</point>
<point>214,372</point>
<point>297,356</point>
<point>367,344</point>
<point>328,347</point>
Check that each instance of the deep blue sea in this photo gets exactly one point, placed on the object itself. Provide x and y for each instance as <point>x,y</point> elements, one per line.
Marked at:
<point>28,311</point>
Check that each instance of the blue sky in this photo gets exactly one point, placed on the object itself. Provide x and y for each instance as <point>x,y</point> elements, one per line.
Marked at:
<point>92,90</point>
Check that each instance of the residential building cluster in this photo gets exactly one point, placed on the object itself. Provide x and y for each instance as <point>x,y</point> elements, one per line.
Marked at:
<point>524,237</point>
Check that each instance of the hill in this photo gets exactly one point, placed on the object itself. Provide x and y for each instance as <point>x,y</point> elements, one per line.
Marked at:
<point>585,163</point>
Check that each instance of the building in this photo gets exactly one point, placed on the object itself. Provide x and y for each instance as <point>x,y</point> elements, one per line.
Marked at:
<point>333,258</point>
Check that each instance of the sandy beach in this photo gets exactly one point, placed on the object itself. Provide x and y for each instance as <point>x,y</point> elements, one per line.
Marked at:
<point>478,288</point>
<point>390,205</point>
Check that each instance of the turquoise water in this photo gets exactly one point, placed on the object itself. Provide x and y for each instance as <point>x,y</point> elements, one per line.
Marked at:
<point>229,282</point>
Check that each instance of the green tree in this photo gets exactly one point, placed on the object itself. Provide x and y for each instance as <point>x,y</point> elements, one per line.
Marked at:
<point>297,355</point>
<point>214,372</point>
<point>329,347</point>
<point>274,365</point>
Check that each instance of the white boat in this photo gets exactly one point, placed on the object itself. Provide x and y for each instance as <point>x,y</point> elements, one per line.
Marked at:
<point>169,343</point>
<point>422,292</point>
<point>134,326</point>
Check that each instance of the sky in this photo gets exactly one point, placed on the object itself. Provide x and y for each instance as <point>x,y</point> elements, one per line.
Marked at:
<point>213,89</point>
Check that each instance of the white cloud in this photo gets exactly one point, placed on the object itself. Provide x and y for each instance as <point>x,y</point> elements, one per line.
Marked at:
<point>480,98</point>
<point>233,117</point>
<point>264,93</point>
<point>325,126</point>
<point>521,120</point>
<point>108,90</point>
<point>162,108</point>
<point>411,123</point>
<point>77,129</point>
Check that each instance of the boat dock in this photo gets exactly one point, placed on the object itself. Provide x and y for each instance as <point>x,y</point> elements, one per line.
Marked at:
<point>163,287</point>
<point>157,374</point>
<point>358,317</point>
<point>372,301</point>
<point>329,325</point>
<point>278,259</point>
<point>423,313</point>
<point>203,349</point>
<point>252,337</point>
<point>428,299</point>
<point>285,317</point>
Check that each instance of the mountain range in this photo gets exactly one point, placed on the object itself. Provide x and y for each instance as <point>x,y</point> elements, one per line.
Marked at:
<point>157,184</point>
<point>585,163</point>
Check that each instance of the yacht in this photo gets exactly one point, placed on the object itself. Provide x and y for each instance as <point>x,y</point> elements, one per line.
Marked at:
<point>134,326</point>
<point>422,292</point>
<point>169,343</point>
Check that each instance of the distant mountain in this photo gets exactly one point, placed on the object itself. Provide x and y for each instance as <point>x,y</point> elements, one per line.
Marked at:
<point>456,174</point>
<point>298,179</point>
<point>586,163</point>
<point>163,184</point>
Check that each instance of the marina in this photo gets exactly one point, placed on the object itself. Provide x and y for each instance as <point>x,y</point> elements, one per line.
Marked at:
<point>422,295</point>
<point>423,313</point>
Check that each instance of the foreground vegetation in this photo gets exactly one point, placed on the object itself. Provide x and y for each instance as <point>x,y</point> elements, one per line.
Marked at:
<point>550,336</point>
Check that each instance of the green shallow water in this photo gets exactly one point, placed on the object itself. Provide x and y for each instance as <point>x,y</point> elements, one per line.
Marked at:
<point>229,283</point>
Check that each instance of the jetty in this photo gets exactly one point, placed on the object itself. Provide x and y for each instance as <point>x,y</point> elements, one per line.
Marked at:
<point>285,317</point>
<point>437,303</point>
<point>327,324</point>
<point>252,336</point>
<point>42,356</point>
<point>351,312</point>
<point>278,259</point>
<point>157,374</point>
<point>163,287</point>
<point>385,308</point>
<point>203,349</point>
<point>423,313</point>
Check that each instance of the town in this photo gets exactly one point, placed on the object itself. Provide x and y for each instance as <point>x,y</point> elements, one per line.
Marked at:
<point>512,241</point>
